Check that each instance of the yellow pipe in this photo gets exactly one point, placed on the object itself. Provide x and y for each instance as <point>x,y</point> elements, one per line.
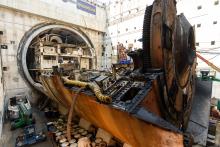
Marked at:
<point>95,88</point>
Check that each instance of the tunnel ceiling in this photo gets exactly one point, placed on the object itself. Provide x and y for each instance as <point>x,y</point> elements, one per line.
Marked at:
<point>65,34</point>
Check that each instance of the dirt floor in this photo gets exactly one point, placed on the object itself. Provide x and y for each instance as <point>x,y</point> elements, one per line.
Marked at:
<point>9,137</point>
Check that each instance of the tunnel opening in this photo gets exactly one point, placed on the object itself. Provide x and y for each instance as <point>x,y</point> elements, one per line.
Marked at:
<point>48,45</point>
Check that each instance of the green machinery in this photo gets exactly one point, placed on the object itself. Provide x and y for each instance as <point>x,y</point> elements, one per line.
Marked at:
<point>25,117</point>
<point>205,75</point>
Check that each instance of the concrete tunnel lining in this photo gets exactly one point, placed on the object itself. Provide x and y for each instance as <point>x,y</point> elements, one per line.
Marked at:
<point>26,42</point>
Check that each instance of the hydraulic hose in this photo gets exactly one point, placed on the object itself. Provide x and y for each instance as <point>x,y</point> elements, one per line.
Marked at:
<point>95,88</point>
<point>70,115</point>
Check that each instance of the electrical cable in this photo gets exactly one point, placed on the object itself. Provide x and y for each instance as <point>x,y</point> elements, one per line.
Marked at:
<point>213,57</point>
<point>208,59</point>
<point>208,49</point>
<point>208,52</point>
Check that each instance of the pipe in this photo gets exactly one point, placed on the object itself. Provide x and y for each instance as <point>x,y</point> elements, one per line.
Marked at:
<point>95,88</point>
<point>208,63</point>
<point>70,115</point>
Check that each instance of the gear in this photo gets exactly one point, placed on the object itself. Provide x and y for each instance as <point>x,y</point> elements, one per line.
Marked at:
<point>163,49</point>
<point>146,39</point>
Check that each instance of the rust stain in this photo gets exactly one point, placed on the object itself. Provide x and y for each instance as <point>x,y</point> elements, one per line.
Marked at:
<point>120,124</point>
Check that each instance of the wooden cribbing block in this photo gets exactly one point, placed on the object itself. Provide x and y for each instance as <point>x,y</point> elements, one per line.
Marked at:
<point>104,135</point>
<point>84,124</point>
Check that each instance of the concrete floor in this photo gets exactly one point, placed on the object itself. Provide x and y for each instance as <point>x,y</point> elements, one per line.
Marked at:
<point>9,137</point>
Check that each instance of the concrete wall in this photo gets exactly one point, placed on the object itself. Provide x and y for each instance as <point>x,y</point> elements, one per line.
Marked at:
<point>207,32</point>
<point>17,17</point>
<point>60,10</point>
<point>124,16</point>
<point>125,20</point>
<point>215,90</point>
<point>2,93</point>
<point>124,25</point>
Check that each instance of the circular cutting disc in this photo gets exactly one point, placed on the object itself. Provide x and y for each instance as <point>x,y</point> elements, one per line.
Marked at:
<point>160,46</point>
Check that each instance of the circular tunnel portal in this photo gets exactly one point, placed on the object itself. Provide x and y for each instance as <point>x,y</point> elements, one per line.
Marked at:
<point>47,45</point>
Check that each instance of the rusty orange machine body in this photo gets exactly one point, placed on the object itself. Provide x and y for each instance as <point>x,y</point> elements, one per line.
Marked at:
<point>150,104</point>
<point>120,124</point>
